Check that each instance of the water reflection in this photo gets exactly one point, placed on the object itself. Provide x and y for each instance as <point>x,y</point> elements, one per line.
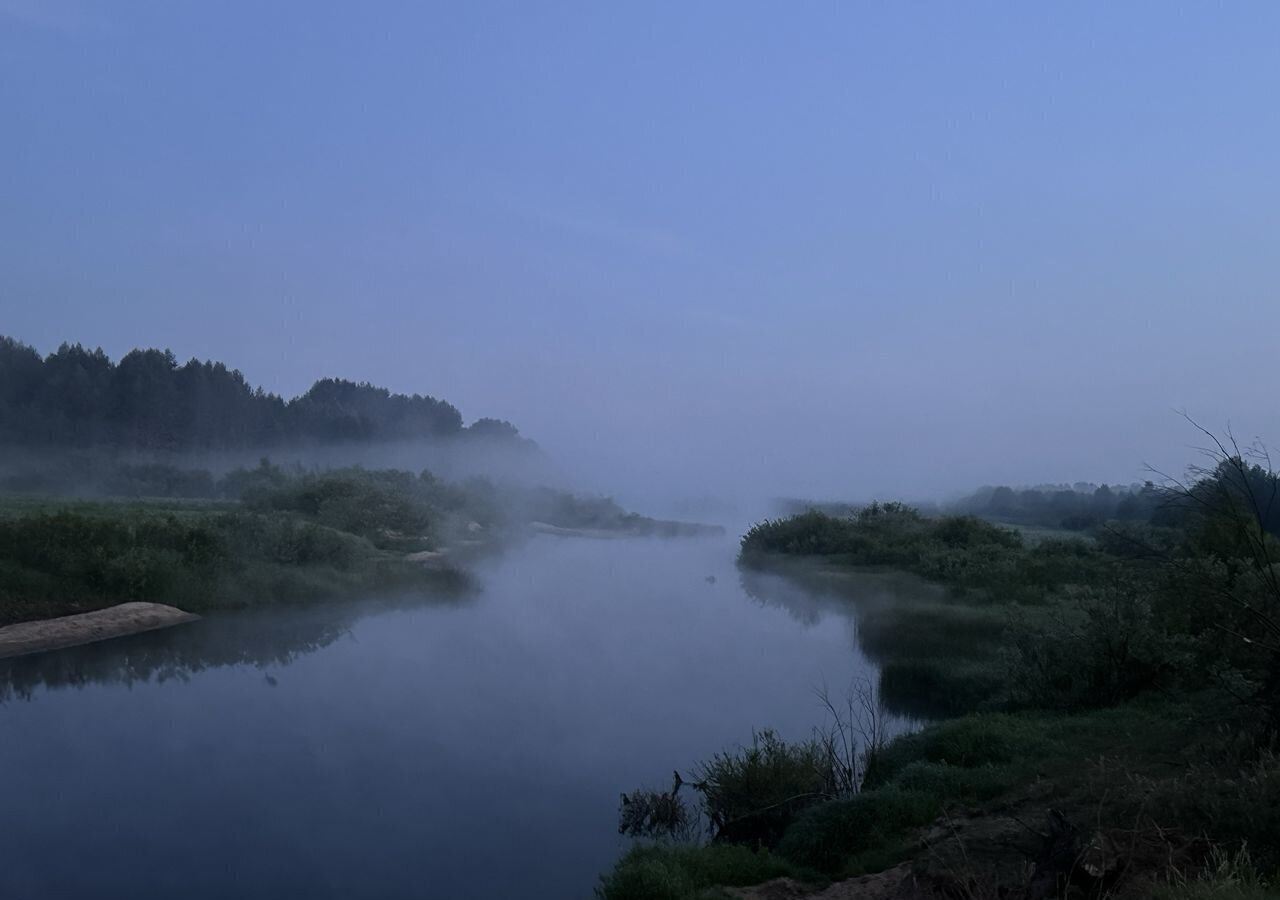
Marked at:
<point>873,606</point>
<point>271,638</point>
<point>467,751</point>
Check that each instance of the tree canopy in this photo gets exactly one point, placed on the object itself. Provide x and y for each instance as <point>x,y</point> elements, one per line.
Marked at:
<point>76,397</point>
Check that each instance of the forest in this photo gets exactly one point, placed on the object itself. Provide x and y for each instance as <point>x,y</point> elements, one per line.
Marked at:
<point>149,402</point>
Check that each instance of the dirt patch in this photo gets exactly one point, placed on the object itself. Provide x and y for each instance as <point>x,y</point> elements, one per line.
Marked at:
<point>87,628</point>
<point>890,884</point>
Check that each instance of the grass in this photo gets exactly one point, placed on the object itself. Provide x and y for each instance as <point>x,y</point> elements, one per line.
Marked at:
<point>1227,876</point>
<point>750,794</point>
<point>676,872</point>
<point>195,556</point>
<point>1109,701</point>
<point>864,831</point>
<point>966,553</point>
<point>990,760</point>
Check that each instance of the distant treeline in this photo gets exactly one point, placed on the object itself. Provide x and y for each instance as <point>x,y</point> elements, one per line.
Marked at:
<point>147,401</point>
<point>1074,507</point>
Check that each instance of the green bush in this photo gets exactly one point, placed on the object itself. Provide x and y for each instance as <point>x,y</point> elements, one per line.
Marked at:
<point>752,793</point>
<point>382,507</point>
<point>1105,647</point>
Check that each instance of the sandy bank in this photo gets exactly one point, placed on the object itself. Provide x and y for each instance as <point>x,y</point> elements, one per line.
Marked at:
<point>86,628</point>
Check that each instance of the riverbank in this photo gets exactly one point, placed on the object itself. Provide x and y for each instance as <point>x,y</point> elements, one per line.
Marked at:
<point>275,534</point>
<point>63,560</point>
<point>593,652</point>
<point>87,628</point>
<point>1102,721</point>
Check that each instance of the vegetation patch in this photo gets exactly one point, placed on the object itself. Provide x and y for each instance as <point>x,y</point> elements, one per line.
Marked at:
<point>1106,708</point>
<point>678,872</point>
<point>76,560</point>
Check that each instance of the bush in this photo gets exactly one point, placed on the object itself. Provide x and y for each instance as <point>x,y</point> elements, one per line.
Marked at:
<point>1106,647</point>
<point>750,795</point>
<point>382,507</point>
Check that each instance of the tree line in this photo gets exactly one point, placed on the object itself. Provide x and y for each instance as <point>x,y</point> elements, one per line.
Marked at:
<point>1076,507</point>
<point>79,398</point>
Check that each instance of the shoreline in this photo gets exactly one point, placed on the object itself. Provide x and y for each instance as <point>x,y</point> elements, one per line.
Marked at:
<point>62,632</point>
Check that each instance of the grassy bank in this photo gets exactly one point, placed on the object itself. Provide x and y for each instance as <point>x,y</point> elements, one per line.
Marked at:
<point>266,534</point>
<point>262,535</point>
<point>1105,712</point>
<point>57,562</point>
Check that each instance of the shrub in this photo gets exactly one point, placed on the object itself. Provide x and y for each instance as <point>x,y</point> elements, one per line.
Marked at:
<point>382,507</point>
<point>751,794</point>
<point>1106,647</point>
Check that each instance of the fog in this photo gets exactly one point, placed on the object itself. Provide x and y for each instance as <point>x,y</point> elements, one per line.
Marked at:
<point>716,251</point>
<point>546,360</point>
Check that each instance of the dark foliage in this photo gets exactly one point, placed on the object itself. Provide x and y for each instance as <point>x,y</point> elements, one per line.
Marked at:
<point>72,561</point>
<point>1077,507</point>
<point>148,401</point>
<point>964,552</point>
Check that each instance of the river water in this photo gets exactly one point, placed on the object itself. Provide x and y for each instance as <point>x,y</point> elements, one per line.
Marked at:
<point>467,747</point>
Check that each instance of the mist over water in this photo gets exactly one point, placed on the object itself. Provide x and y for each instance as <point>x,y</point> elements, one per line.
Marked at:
<point>579,269</point>
<point>370,751</point>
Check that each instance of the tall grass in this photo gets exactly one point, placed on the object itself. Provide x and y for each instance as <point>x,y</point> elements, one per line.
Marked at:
<point>71,561</point>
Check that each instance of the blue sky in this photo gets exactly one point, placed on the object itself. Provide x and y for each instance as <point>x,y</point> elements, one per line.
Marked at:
<point>802,247</point>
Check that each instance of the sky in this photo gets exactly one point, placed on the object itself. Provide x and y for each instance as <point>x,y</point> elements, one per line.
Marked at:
<point>847,249</point>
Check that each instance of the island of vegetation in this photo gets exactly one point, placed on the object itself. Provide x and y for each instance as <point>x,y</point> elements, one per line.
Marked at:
<point>273,534</point>
<point>100,506</point>
<point>1096,682</point>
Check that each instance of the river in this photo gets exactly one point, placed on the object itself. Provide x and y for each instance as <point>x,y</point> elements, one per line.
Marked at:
<point>471,747</point>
